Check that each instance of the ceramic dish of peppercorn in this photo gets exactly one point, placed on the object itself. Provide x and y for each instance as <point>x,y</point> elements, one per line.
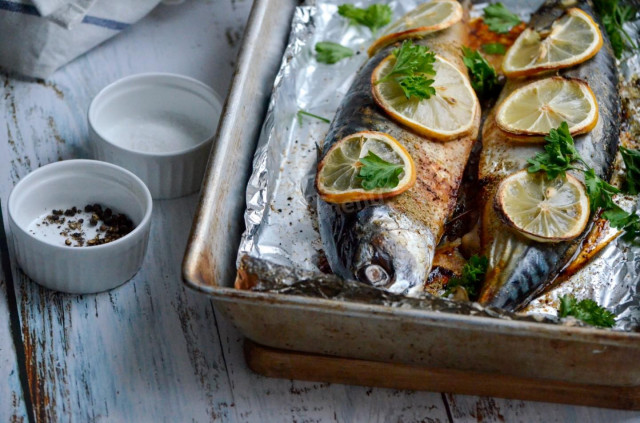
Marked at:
<point>80,226</point>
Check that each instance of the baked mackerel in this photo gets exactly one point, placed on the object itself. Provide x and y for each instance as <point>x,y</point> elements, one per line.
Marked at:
<point>390,244</point>
<point>520,268</point>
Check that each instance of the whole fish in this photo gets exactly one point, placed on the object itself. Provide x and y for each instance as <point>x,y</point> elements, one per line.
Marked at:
<point>390,244</point>
<point>520,268</point>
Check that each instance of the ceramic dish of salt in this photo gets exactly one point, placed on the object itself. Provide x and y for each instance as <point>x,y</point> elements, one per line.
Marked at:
<point>159,126</point>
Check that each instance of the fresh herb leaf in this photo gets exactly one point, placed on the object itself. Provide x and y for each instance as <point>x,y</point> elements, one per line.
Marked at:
<point>618,218</point>
<point>413,70</point>
<point>412,59</point>
<point>494,48</point>
<point>418,86</point>
<point>614,17</point>
<point>378,173</point>
<point>330,52</point>
<point>599,191</point>
<point>302,113</point>
<point>586,310</point>
<point>473,274</point>
<point>625,221</point>
<point>632,163</point>
<point>499,18</point>
<point>484,78</point>
<point>374,17</point>
<point>560,152</point>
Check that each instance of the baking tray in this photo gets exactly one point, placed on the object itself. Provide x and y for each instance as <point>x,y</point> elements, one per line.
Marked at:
<point>481,345</point>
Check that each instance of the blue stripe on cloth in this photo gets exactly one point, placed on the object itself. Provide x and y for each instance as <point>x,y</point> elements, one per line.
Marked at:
<point>105,23</point>
<point>28,9</point>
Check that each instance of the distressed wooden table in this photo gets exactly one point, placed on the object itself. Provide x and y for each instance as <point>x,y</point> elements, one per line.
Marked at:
<point>152,350</point>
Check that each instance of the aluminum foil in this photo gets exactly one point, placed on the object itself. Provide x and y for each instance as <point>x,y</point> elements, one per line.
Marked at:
<point>281,217</point>
<point>281,220</point>
<point>287,280</point>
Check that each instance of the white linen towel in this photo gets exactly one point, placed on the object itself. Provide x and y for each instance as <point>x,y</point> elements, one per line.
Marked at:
<point>39,36</point>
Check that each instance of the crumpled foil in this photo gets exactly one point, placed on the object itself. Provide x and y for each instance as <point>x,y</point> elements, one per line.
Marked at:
<point>281,212</point>
<point>287,280</point>
<point>281,220</point>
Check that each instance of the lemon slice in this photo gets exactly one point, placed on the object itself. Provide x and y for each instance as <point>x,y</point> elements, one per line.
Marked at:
<point>448,115</point>
<point>536,108</point>
<point>573,39</point>
<point>337,180</point>
<point>428,17</point>
<point>543,210</point>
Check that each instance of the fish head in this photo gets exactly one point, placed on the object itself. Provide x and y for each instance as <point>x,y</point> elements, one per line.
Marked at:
<point>391,251</point>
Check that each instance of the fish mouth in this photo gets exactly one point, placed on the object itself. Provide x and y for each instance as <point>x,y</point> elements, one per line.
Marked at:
<point>393,253</point>
<point>375,258</point>
<point>374,275</point>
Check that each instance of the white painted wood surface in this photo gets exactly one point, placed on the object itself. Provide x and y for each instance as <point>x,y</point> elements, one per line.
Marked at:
<point>152,350</point>
<point>12,405</point>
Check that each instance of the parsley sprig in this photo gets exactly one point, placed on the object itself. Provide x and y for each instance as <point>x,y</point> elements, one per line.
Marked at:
<point>413,70</point>
<point>614,17</point>
<point>473,274</point>
<point>494,48</point>
<point>627,222</point>
<point>632,163</point>
<point>599,191</point>
<point>561,155</point>
<point>378,173</point>
<point>617,217</point>
<point>499,18</point>
<point>329,52</point>
<point>373,17</point>
<point>302,113</point>
<point>418,86</point>
<point>484,78</point>
<point>586,310</point>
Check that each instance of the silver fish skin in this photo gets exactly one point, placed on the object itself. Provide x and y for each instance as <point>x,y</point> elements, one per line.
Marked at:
<point>519,269</point>
<point>391,244</point>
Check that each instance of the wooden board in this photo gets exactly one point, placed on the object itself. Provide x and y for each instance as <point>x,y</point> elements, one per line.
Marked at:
<point>321,368</point>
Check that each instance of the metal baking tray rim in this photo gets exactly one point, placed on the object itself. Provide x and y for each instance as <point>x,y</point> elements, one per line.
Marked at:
<point>434,318</point>
<point>210,258</point>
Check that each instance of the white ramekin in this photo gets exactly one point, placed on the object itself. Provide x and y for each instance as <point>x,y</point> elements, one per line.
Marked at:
<point>159,126</point>
<point>79,270</point>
